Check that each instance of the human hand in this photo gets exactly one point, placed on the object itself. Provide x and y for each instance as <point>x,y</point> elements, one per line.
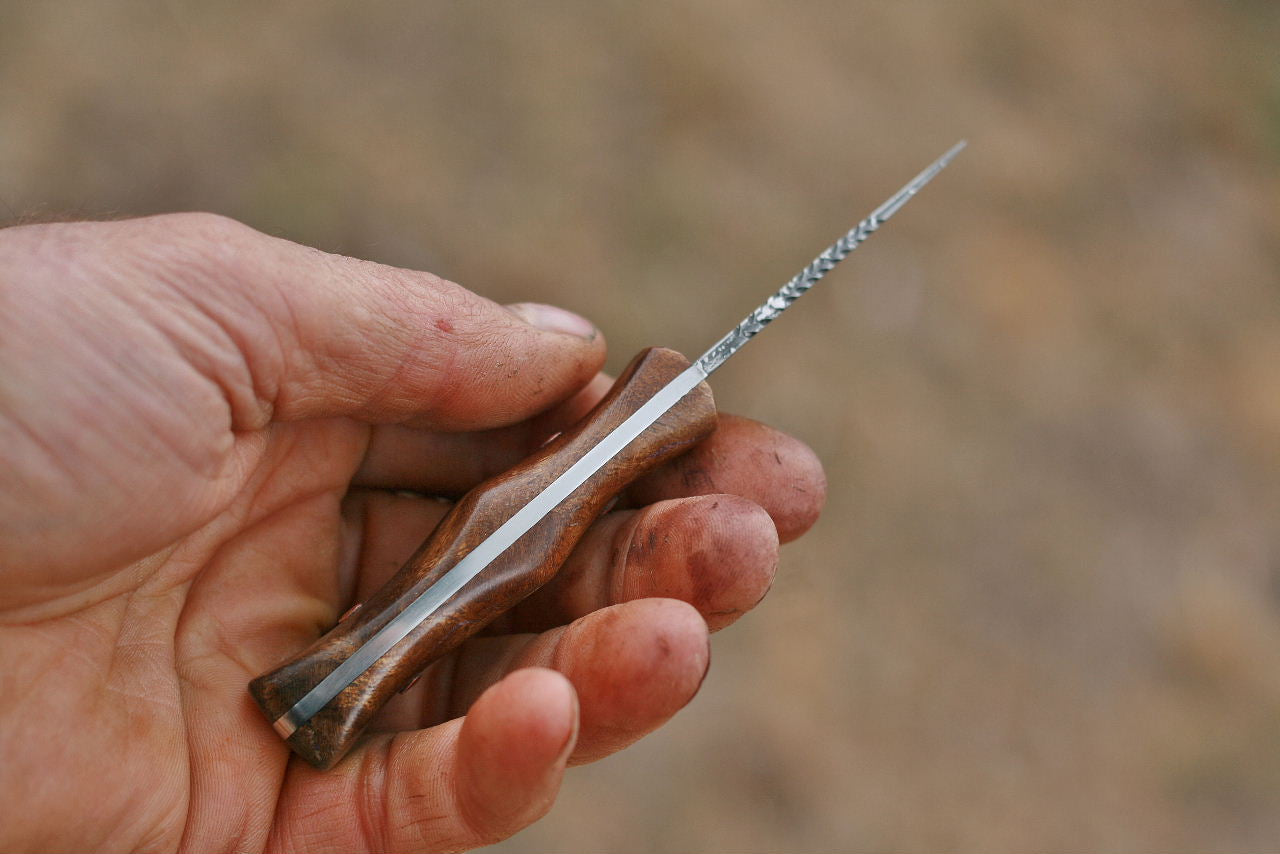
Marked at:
<point>207,435</point>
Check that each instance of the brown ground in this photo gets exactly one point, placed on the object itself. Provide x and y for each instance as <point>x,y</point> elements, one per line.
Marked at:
<point>1042,610</point>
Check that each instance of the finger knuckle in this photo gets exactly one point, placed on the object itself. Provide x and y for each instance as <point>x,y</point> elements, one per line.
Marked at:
<point>201,244</point>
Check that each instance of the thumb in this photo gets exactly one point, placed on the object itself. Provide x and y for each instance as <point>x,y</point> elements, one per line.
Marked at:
<point>325,335</point>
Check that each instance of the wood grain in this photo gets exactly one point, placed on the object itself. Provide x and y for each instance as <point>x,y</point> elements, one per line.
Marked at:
<point>524,567</point>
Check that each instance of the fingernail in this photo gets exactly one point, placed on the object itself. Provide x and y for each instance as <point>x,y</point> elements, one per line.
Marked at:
<point>551,318</point>
<point>571,741</point>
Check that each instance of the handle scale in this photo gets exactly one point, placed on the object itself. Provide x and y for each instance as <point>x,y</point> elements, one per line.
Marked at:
<point>524,567</point>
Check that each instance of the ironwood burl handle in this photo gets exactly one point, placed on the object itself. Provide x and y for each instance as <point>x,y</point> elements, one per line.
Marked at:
<point>524,567</point>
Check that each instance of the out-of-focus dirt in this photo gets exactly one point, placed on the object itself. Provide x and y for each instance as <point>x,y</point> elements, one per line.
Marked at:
<point>1042,610</point>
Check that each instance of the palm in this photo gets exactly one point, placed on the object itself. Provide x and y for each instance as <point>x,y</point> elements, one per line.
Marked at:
<point>151,698</point>
<point>129,639</point>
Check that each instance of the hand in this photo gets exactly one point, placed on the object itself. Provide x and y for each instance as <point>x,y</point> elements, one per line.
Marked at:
<point>213,441</point>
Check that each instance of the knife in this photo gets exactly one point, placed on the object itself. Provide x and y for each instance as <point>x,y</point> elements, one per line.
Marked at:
<point>508,536</point>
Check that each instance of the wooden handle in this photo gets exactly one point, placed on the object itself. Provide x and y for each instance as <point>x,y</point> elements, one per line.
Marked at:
<point>524,567</point>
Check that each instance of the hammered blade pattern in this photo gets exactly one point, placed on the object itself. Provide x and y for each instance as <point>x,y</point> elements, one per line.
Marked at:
<point>819,267</point>
<point>786,295</point>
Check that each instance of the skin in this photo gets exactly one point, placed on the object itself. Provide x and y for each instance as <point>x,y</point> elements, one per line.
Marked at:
<point>214,441</point>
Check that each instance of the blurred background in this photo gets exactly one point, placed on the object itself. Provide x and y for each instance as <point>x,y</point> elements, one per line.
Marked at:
<point>1042,610</point>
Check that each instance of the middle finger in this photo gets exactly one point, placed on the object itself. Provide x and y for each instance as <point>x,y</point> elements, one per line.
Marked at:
<point>718,553</point>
